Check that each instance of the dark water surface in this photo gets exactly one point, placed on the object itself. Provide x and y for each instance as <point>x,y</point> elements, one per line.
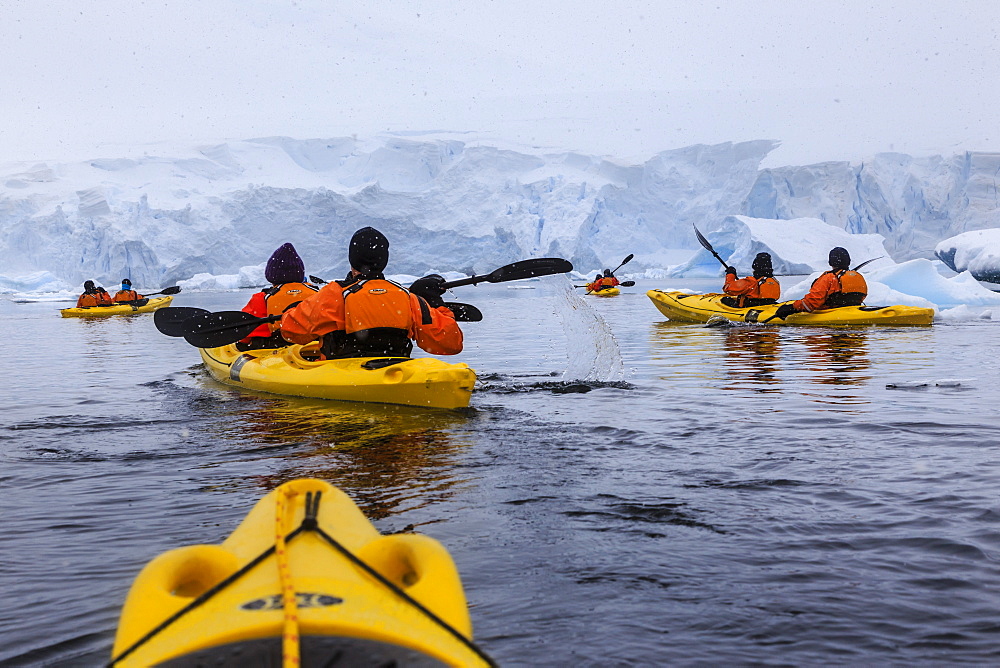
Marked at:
<point>748,495</point>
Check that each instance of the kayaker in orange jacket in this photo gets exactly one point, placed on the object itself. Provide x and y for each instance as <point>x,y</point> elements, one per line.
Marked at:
<point>93,295</point>
<point>366,315</point>
<point>287,274</point>
<point>126,294</point>
<point>758,290</point>
<point>841,286</point>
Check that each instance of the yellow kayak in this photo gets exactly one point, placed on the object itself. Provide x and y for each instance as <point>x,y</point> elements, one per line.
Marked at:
<point>684,307</point>
<point>606,292</point>
<point>118,309</point>
<point>296,371</point>
<point>306,580</point>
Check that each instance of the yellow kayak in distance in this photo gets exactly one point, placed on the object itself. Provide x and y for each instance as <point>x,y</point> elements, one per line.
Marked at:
<point>684,307</point>
<point>297,371</point>
<point>606,292</point>
<point>305,579</point>
<point>151,305</point>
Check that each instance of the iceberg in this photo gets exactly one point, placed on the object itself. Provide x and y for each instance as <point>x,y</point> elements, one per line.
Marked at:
<point>977,252</point>
<point>797,246</point>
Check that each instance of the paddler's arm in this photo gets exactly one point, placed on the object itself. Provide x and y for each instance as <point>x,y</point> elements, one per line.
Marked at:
<point>823,287</point>
<point>435,329</point>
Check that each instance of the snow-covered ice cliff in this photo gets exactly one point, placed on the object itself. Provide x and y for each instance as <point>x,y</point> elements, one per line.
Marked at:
<point>162,215</point>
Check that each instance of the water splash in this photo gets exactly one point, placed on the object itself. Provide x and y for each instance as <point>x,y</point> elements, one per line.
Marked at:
<point>591,346</point>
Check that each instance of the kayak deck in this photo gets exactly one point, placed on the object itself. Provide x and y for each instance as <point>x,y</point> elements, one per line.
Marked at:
<point>305,573</point>
<point>606,292</point>
<point>151,305</point>
<point>685,307</point>
<point>297,371</point>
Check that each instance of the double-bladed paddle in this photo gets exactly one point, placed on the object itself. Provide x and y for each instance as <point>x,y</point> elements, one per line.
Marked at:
<point>626,284</point>
<point>204,329</point>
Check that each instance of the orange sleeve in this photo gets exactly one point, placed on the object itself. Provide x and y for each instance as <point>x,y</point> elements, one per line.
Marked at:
<point>738,286</point>
<point>435,329</point>
<point>316,315</point>
<point>257,307</point>
<point>823,287</point>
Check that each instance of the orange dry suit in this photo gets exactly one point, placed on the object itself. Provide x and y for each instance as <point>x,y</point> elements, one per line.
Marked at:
<point>99,297</point>
<point>371,317</point>
<point>127,296</point>
<point>837,287</point>
<point>751,291</point>
<point>273,301</point>
<point>602,283</point>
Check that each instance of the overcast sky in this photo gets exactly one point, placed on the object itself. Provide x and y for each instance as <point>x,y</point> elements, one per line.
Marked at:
<point>831,80</point>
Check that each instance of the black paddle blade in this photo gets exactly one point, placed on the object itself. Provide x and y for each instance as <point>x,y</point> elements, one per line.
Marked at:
<point>627,284</point>
<point>170,320</point>
<point>465,312</point>
<point>317,280</point>
<point>539,266</point>
<point>211,330</point>
<point>172,290</point>
<point>703,241</point>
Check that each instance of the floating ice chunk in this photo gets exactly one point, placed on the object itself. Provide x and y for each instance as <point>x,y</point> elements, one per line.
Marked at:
<point>977,251</point>
<point>965,312</point>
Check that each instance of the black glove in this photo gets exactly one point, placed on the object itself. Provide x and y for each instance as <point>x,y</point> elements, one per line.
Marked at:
<point>430,288</point>
<point>731,270</point>
<point>784,311</point>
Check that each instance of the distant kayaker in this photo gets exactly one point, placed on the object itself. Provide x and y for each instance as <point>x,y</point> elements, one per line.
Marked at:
<point>93,295</point>
<point>758,290</point>
<point>840,286</point>
<point>287,274</point>
<point>366,315</point>
<point>603,282</point>
<point>127,294</point>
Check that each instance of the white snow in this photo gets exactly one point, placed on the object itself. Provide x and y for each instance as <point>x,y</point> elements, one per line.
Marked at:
<point>208,217</point>
<point>977,252</point>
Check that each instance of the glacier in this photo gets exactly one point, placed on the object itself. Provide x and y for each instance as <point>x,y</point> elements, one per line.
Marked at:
<point>211,215</point>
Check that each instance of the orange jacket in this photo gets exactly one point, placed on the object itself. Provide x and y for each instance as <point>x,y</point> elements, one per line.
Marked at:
<point>274,301</point>
<point>91,299</point>
<point>127,296</point>
<point>752,288</point>
<point>828,284</point>
<point>373,304</point>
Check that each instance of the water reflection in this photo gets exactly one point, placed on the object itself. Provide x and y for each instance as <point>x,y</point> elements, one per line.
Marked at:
<point>751,355</point>
<point>387,458</point>
<point>838,357</point>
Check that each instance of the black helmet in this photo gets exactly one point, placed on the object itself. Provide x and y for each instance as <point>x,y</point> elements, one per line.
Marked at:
<point>127,282</point>
<point>607,272</point>
<point>88,286</point>
<point>762,265</point>
<point>840,258</point>
<point>368,251</point>
<point>598,277</point>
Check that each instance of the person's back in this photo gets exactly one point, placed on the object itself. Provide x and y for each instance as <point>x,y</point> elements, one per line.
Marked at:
<point>92,296</point>
<point>367,315</point>
<point>286,271</point>
<point>840,286</point>
<point>760,289</point>
<point>126,295</point>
